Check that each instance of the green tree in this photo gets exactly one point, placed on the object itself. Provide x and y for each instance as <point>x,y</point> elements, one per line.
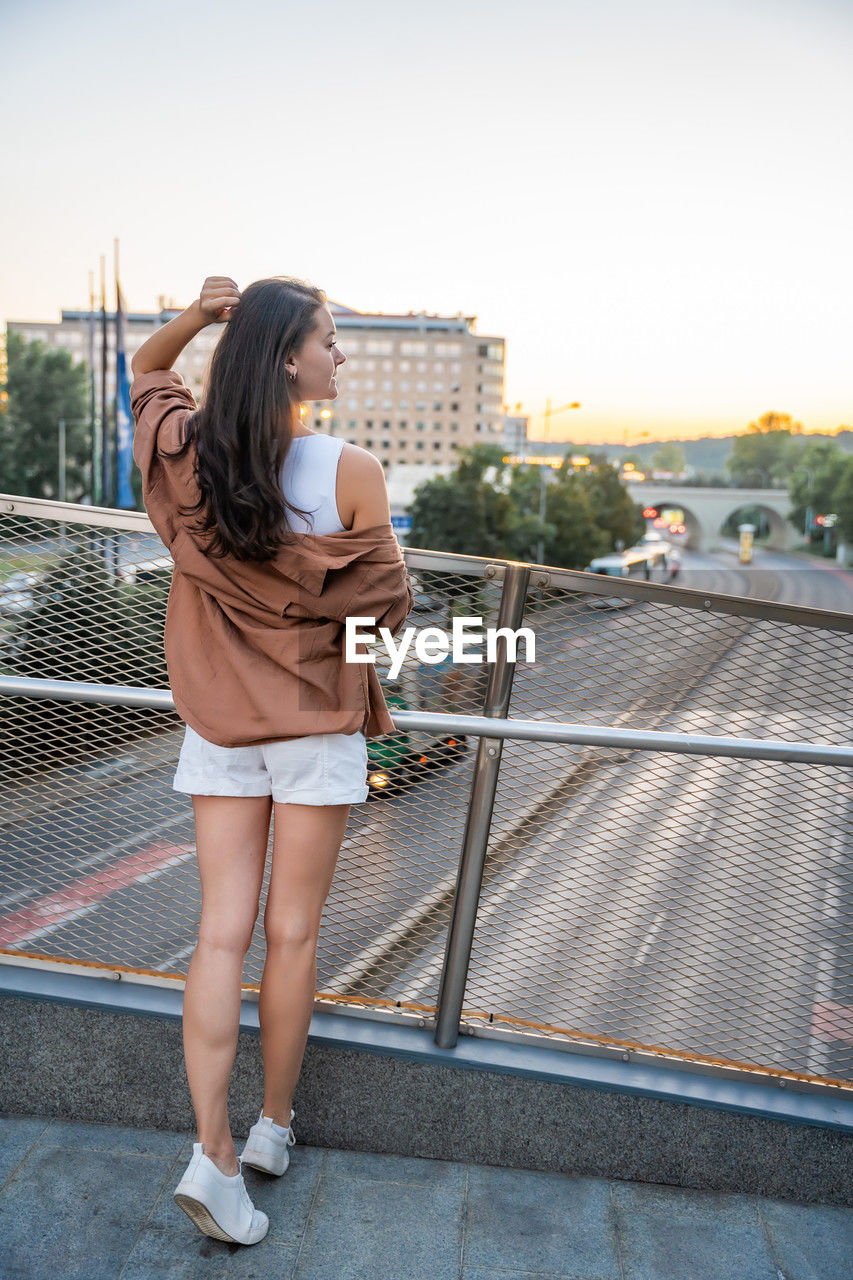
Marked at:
<point>842,498</point>
<point>463,512</point>
<point>573,537</point>
<point>813,479</point>
<point>613,510</point>
<point>669,457</point>
<point>765,454</point>
<point>474,511</point>
<point>43,386</point>
<point>637,457</point>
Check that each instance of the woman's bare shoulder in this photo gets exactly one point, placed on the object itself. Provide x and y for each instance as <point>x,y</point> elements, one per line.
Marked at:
<point>362,490</point>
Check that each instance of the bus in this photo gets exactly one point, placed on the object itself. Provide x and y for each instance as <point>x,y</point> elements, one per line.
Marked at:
<point>636,562</point>
<point>648,562</point>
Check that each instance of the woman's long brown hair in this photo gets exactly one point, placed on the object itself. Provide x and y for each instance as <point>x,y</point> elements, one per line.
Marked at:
<point>243,429</point>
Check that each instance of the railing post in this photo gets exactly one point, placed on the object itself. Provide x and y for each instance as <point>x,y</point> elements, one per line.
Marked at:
<point>460,934</point>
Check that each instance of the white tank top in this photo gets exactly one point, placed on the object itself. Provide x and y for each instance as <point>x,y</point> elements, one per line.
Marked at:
<point>308,480</point>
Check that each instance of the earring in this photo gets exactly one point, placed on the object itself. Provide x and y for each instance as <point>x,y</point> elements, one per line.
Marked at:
<point>292,377</point>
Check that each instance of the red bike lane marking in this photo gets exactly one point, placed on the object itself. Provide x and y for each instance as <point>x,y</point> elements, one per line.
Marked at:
<point>832,1021</point>
<point>55,908</point>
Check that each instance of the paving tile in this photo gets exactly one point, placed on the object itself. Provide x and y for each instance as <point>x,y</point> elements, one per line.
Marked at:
<point>546,1222</point>
<point>390,1168</point>
<point>492,1273</point>
<point>667,1233</point>
<point>172,1256</point>
<point>74,1216</point>
<point>285,1200</point>
<point>109,1137</point>
<point>810,1242</point>
<point>368,1230</point>
<point>17,1135</point>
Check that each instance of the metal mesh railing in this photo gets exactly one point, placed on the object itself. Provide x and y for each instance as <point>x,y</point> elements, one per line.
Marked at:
<point>632,902</point>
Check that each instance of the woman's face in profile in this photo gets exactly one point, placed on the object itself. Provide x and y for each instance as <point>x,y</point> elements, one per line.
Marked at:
<point>317,361</point>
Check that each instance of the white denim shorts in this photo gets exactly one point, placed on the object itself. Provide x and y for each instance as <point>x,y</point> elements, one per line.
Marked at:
<point>323,768</point>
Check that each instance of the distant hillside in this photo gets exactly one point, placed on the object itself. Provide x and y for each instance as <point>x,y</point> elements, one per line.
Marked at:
<point>706,455</point>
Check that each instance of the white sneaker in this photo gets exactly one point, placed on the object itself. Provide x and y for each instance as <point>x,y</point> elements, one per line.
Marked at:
<point>267,1150</point>
<point>218,1205</point>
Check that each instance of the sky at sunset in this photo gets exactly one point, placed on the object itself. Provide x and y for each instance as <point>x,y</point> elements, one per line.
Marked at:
<point>649,199</point>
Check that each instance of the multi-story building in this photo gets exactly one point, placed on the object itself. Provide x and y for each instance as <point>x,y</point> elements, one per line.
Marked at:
<point>413,390</point>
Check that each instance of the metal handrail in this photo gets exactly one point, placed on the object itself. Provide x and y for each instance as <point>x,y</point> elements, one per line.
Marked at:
<point>591,735</point>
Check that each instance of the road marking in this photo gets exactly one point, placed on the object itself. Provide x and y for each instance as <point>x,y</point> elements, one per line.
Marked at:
<point>105,855</point>
<point>53,910</point>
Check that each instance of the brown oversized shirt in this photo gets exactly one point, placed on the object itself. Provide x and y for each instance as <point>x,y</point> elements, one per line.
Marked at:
<point>255,650</point>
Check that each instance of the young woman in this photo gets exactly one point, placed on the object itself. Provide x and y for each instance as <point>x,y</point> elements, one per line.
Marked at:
<point>277,533</point>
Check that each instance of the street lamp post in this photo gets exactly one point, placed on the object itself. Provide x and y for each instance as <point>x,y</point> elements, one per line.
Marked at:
<point>549,413</point>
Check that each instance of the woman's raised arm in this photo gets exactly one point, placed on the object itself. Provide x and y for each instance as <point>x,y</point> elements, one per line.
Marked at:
<point>219,295</point>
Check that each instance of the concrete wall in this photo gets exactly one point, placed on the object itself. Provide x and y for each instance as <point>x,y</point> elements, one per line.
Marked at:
<point>89,1064</point>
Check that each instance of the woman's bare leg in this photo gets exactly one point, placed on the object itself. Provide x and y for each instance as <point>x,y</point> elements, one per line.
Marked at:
<point>306,844</point>
<point>231,841</point>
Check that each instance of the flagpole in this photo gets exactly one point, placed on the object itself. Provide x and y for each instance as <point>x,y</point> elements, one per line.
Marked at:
<point>124,423</point>
<point>105,428</point>
<point>93,429</point>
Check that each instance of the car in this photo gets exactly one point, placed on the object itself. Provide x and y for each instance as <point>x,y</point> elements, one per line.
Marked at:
<point>400,760</point>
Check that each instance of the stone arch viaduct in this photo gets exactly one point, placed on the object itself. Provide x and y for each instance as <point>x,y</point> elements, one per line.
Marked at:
<point>706,510</point>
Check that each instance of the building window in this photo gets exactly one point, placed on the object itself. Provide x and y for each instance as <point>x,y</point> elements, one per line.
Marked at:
<point>404,366</point>
<point>413,348</point>
<point>436,408</point>
<point>436,444</point>
<point>386,425</point>
<point>454,408</point>
<point>420,444</point>
<point>420,426</point>
<point>387,384</point>
<point>379,346</point>
<point>454,426</point>
<point>436,426</point>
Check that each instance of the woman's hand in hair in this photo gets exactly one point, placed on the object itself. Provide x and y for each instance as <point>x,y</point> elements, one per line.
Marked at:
<point>219,296</point>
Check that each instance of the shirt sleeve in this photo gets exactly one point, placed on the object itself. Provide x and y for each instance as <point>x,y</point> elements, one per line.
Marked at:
<point>161,403</point>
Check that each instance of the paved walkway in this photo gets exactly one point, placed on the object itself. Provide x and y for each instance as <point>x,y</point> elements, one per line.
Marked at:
<point>94,1202</point>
